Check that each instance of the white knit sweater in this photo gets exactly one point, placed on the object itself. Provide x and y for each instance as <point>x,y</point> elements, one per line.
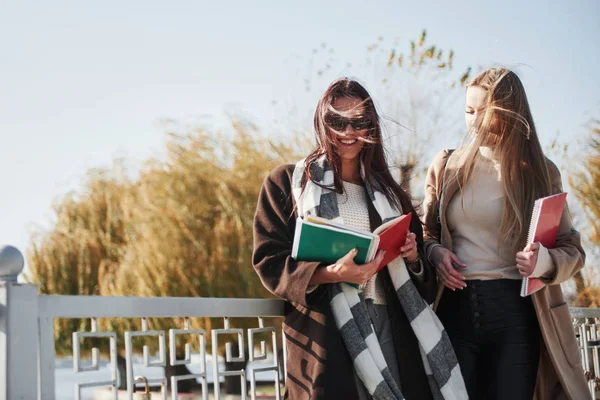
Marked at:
<point>355,214</point>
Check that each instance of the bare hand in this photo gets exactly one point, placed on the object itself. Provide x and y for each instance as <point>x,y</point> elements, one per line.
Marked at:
<point>409,250</point>
<point>346,270</point>
<point>446,264</point>
<point>527,259</point>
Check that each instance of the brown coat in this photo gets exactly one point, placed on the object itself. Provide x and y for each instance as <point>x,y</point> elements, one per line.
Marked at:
<point>560,373</point>
<point>318,364</point>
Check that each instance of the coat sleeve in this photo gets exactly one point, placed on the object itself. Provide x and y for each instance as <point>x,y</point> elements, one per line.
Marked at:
<point>274,225</point>
<point>431,225</point>
<point>425,282</point>
<point>567,255</point>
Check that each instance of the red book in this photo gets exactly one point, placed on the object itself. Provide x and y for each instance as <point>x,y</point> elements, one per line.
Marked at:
<point>392,236</point>
<point>545,222</point>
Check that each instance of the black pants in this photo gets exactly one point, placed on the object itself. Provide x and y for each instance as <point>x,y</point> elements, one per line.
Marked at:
<point>496,337</point>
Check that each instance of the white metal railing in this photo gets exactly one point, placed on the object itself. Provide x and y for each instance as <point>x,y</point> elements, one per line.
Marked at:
<point>586,322</point>
<point>27,352</point>
<point>27,355</point>
<point>51,307</point>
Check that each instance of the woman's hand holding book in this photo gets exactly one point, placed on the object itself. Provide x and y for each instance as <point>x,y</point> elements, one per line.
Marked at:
<point>346,270</point>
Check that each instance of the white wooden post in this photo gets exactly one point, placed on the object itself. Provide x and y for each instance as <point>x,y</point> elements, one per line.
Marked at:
<point>46,355</point>
<point>18,330</point>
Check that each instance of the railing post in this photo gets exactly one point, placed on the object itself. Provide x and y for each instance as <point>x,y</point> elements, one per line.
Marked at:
<point>46,356</point>
<point>18,330</point>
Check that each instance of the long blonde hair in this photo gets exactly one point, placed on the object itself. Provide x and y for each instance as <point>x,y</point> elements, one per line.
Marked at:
<point>507,124</point>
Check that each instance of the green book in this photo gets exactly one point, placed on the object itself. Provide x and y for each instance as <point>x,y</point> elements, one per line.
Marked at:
<point>319,239</point>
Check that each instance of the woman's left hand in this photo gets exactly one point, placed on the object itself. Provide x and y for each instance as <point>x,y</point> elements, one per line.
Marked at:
<point>527,259</point>
<point>409,250</point>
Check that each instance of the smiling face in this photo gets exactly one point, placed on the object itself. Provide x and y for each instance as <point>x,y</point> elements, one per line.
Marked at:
<point>348,133</point>
<point>349,127</point>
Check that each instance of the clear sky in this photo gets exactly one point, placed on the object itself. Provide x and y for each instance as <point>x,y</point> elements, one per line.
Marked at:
<point>84,82</point>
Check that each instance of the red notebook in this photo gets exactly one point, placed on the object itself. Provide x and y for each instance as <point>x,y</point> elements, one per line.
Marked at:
<point>545,222</point>
<point>392,236</point>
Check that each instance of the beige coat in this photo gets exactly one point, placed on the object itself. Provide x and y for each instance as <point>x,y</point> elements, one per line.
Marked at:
<point>560,373</point>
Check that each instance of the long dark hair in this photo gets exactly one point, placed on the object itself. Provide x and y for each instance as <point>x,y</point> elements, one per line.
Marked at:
<point>372,155</point>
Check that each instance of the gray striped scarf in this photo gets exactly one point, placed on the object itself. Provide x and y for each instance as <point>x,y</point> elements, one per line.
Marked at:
<point>351,315</point>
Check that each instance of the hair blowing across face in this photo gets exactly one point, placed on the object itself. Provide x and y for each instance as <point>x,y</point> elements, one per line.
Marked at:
<point>372,155</point>
<point>506,125</point>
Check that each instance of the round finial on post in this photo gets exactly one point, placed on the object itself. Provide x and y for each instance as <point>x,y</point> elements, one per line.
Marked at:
<point>11,263</point>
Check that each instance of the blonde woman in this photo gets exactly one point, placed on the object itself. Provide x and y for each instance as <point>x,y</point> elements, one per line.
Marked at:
<point>478,204</point>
